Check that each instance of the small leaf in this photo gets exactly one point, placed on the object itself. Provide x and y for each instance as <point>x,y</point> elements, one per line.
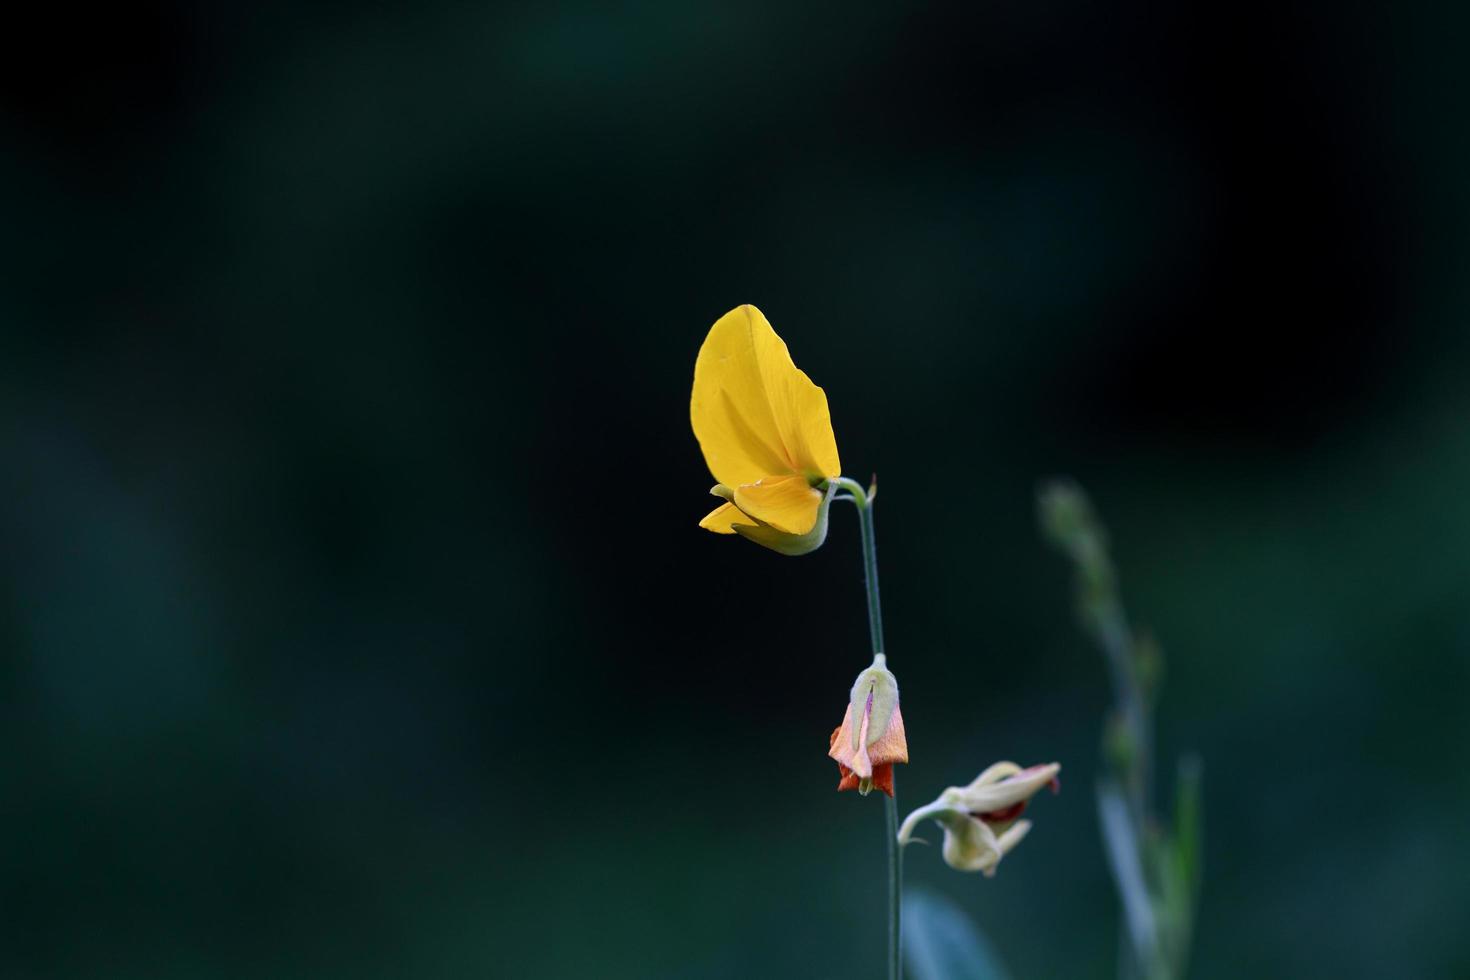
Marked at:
<point>1188,829</point>
<point>940,942</point>
<point>1178,860</point>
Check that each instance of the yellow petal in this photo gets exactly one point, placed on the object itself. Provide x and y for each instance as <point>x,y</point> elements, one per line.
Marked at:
<point>753,411</point>
<point>792,544</point>
<point>799,406</point>
<point>786,503</point>
<point>722,519</point>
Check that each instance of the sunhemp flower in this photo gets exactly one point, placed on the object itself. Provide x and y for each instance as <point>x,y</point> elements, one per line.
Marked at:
<point>870,739</point>
<point>981,821</point>
<point>766,435</point>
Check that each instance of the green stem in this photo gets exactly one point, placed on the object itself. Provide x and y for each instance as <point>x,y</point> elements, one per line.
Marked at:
<point>895,889</point>
<point>864,505</point>
<point>870,558</point>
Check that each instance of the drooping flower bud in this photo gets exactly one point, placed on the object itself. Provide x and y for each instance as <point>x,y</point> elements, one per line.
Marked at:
<point>871,737</point>
<point>981,821</point>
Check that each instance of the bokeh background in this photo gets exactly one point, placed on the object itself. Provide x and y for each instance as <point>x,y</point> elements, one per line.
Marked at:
<point>353,617</point>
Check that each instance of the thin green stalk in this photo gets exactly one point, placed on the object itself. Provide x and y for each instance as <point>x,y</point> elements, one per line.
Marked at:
<point>864,504</point>
<point>895,890</point>
<point>864,507</point>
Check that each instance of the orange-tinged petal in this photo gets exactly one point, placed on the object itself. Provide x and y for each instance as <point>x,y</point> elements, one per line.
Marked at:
<point>847,779</point>
<point>882,778</point>
<point>753,411</point>
<point>786,503</point>
<point>722,519</point>
<point>892,747</point>
<point>853,756</point>
<point>848,751</point>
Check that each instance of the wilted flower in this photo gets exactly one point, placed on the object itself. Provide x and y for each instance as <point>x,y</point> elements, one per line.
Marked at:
<point>981,821</point>
<point>766,435</point>
<point>871,738</point>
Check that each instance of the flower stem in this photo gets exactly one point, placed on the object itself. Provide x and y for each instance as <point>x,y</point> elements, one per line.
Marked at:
<point>895,889</point>
<point>870,558</point>
<point>864,504</point>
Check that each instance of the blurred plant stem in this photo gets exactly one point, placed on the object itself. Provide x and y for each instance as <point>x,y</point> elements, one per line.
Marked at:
<point>1156,871</point>
<point>863,501</point>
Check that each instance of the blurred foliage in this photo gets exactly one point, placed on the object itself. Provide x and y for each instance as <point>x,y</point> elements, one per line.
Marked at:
<point>941,944</point>
<point>353,614</point>
<point>1156,863</point>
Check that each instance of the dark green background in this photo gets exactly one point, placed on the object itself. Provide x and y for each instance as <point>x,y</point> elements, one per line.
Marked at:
<point>353,617</point>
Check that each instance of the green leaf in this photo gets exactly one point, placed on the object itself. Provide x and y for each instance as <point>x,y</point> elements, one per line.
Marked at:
<point>1188,829</point>
<point>940,942</point>
<point>1181,862</point>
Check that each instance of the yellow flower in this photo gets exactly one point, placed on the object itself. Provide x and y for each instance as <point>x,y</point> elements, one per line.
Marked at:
<point>981,821</point>
<point>766,435</point>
